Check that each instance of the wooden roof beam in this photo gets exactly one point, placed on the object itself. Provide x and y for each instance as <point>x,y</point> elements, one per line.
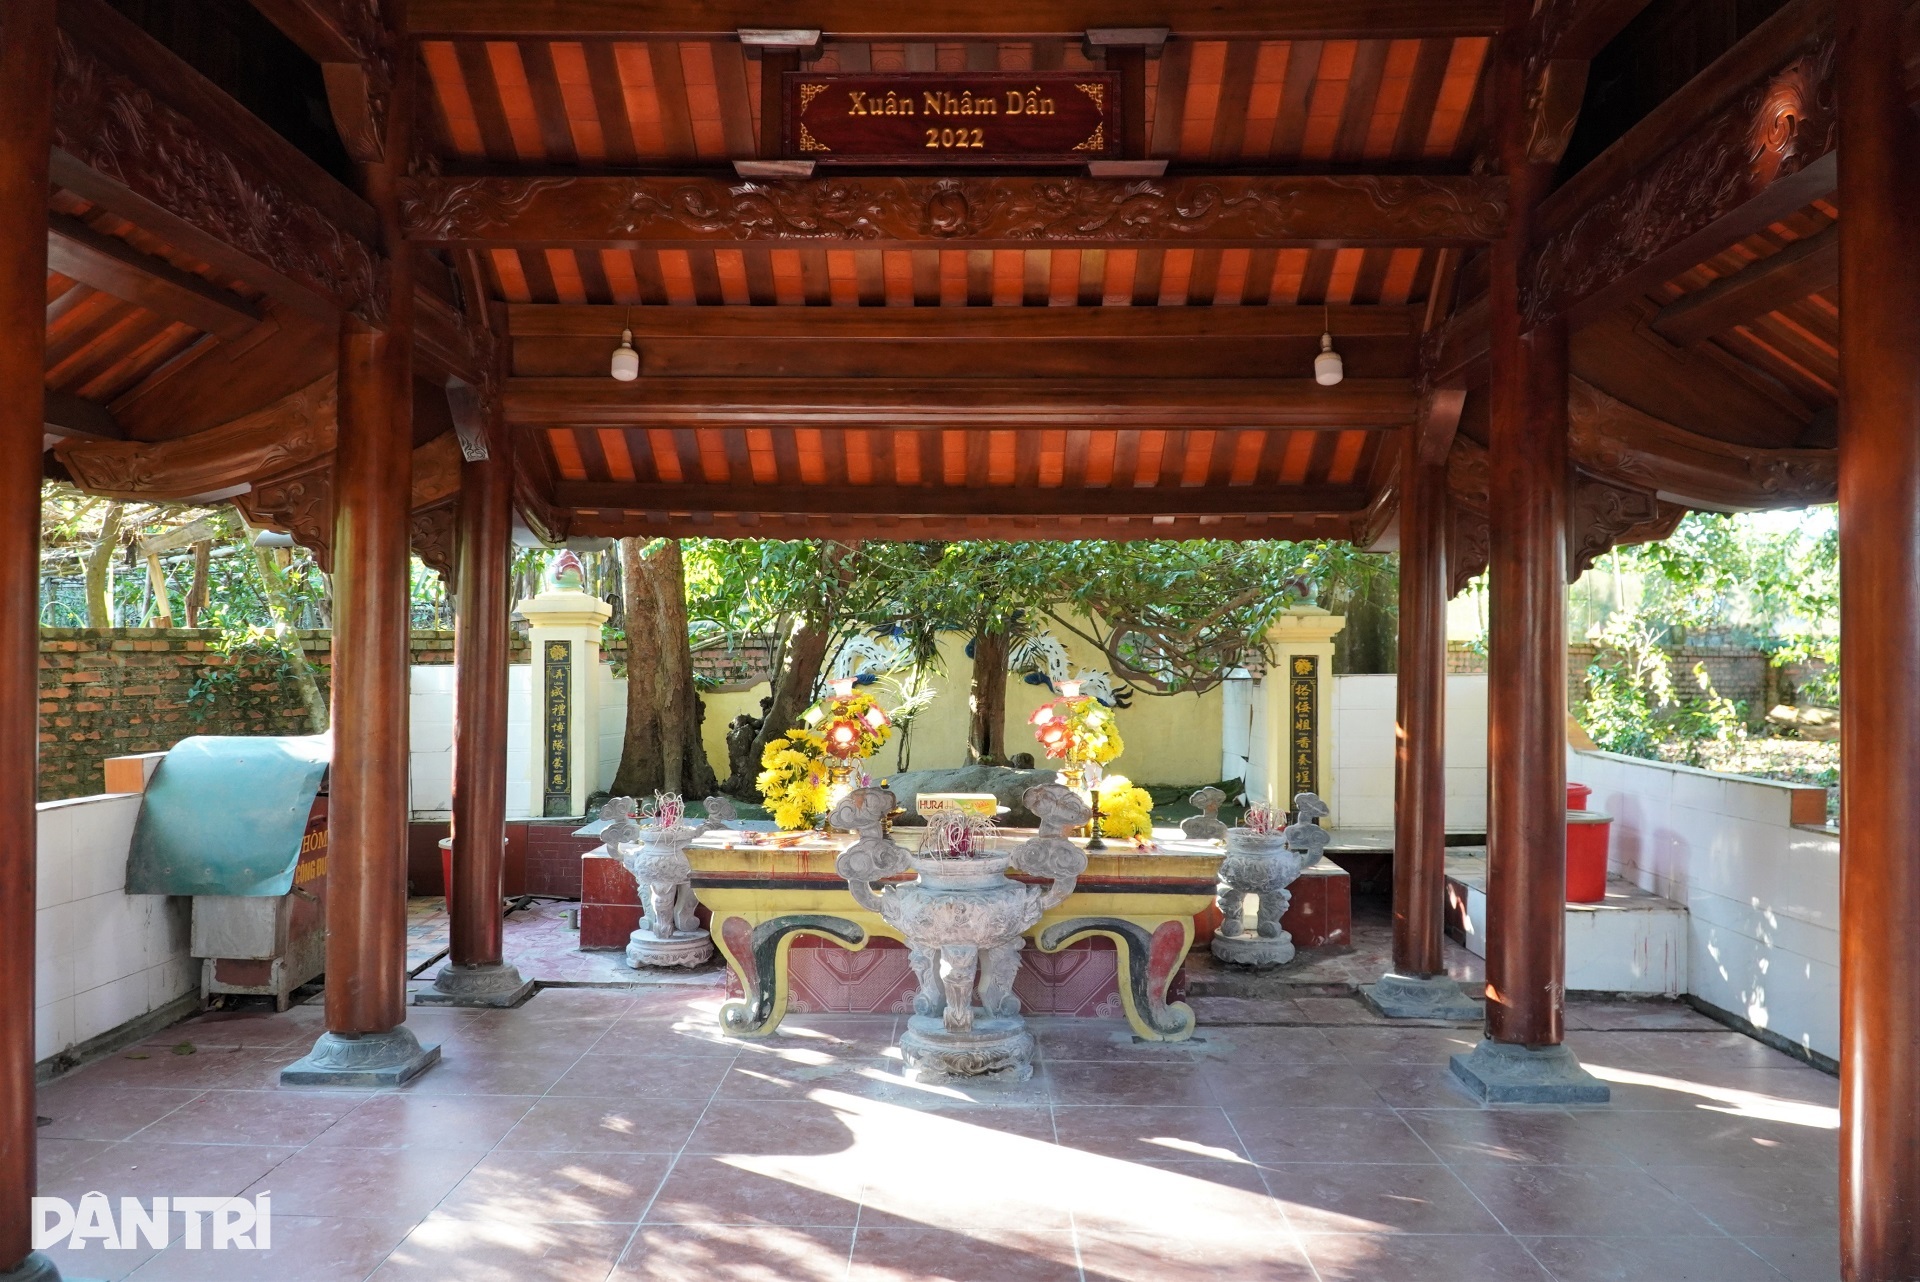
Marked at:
<point>70,417</point>
<point>958,212</point>
<point>915,502</point>
<point>881,19</point>
<point>1805,267</point>
<point>911,403</point>
<point>113,266</point>
<point>1747,142</point>
<point>748,525</point>
<point>892,324</point>
<point>348,40</point>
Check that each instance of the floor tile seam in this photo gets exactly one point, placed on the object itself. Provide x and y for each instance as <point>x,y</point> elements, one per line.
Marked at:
<point>156,1121</point>
<point>853,1238</point>
<point>680,1153</point>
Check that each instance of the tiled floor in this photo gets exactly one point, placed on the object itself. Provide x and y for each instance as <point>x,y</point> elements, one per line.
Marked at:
<point>600,1135</point>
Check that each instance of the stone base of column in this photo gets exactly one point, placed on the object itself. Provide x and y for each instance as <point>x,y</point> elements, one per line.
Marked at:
<point>1400,996</point>
<point>369,1060</point>
<point>497,985</point>
<point>1499,1073</point>
<point>682,948</point>
<point>35,1268</point>
<point>996,1047</point>
<point>1254,949</point>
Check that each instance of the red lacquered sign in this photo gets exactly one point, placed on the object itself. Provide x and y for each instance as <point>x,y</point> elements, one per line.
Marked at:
<point>941,118</point>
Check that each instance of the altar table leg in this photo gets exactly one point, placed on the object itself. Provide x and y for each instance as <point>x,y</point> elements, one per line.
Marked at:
<point>1149,958</point>
<point>757,956</point>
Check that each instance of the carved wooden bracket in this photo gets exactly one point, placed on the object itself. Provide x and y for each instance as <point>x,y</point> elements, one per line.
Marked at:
<point>1618,443</point>
<point>118,144</point>
<point>1469,483</point>
<point>975,212</point>
<point>1612,236</point>
<point>435,538</point>
<point>299,505</point>
<point>1602,516</point>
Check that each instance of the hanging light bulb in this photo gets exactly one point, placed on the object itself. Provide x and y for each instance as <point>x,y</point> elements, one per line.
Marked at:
<point>1328,368</point>
<point>626,361</point>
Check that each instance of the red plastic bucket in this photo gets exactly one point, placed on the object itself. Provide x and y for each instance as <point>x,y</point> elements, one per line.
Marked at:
<point>1577,794</point>
<point>1587,832</point>
<point>446,866</point>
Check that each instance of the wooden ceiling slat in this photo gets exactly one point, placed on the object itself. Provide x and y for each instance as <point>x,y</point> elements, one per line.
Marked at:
<point>1217,470</point>
<point>953,277</point>
<point>859,453</point>
<point>786,455</point>
<point>1423,93</point>
<point>566,454</point>
<point>1123,267</point>
<point>833,455</point>
<point>1256,289</point>
<point>1073,458</point>
<point>816,280</point>
<point>1390,104</point>
<point>999,457</point>
<point>538,274</point>
<point>1009,277</point>
<point>609,103</point>
<point>677,143</point>
<point>593,455</point>
<point>1189,456</point>
<point>571,69</point>
<point>1797,350</point>
<point>1296,96</point>
<point>686,445</point>
<point>881,464</point>
<point>1052,468</point>
<point>1203,278</point>
<point>623,283</point>
<point>1146,276</point>
<point>449,86</point>
<point>1424,273</point>
<point>676,277</point>
<point>1371,276</point>
<point>923,277</point>
<point>810,444</point>
<point>1036,277</point>
<point>1230,277</point>
<point>1263,98</point>
<point>1296,457</point>
<point>1025,453</point>
<point>979,277</point>
<point>1227,139</point>
<point>870,277</point>
<point>516,100</point>
<point>94,336</point>
<point>1346,456</point>
<point>730,269</point>
<point>977,450</point>
<point>1124,464</point>
<point>591,265</point>
<point>897,267</point>
<point>738,111</point>
<point>1091,287</point>
<point>842,278</point>
<point>1457,93</point>
<point>1063,280</point>
<point>1206,68</point>
<point>1244,465</point>
<point>1169,103</point>
<point>703,99</point>
<point>71,306</point>
<point>758,263</point>
<point>640,97</point>
<point>1317,277</point>
<point>732,444</point>
<point>1289,276</point>
<point>640,449</point>
<point>903,448</point>
<point>1328,100</point>
<point>135,353</point>
<point>953,457</point>
<point>1396,281</point>
<point>789,283</point>
<point>1320,463</point>
<point>563,268</point>
<point>1101,449</point>
<point>703,267</point>
<point>653,283</point>
<point>666,455</point>
<point>476,69</point>
<point>549,105</point>
<point>1272,461</point>
<point>761,465</point>
<point>1363,96</point>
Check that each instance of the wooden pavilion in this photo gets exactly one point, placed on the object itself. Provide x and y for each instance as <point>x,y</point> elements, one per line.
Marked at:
<point>1580,259</point>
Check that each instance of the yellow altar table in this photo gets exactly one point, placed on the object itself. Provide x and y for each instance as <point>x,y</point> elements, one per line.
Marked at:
<point>766,890</point>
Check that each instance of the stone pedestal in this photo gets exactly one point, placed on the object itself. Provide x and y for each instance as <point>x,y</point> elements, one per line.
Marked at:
<point>1503,1073</point>
<point>1292,748</point>
<point>498,986</point>
<point>370,1060</point>
<point>564,624</point>
<point>990,1046</point>
<point>1421,997</point>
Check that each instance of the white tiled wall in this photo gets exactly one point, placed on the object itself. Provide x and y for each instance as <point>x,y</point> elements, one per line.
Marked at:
<point>1763,896</point>
<point>431,734</point>
<point>1363,734</point>
<point>102,956</point>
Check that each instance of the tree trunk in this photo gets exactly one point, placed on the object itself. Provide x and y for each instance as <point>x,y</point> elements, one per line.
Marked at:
<point>99,570</point>
<point>274,588</point>
<point>642,769</point>
<point>684,755</point>
<point>987,733</point>
<point>198,593</point>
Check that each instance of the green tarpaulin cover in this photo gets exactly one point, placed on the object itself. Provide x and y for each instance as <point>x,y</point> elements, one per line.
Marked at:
<point>224,815</point>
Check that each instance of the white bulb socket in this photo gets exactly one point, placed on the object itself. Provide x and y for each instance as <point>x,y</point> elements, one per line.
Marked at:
<point>1328,368</point>
<point>626,361</point>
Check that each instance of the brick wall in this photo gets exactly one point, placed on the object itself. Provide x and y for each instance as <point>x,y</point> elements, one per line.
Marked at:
<point>1739,673</point>
<point>107,692</point>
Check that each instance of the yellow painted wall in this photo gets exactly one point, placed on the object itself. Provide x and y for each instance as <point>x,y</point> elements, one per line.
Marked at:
<point>1171,739</point>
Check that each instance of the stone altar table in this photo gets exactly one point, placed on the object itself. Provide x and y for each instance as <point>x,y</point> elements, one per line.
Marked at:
<point>766,891</point>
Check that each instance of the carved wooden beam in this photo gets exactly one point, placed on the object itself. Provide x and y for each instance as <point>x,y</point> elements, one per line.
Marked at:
<point>298,504</point>
<point>113,266</point>
<point>879,19</point>
<point>955,324</point>
<point>964,212</point>
<point>352,46</point>
<point>935,501</point>
<point>889,404</point>
<point>1469,482</point>
<point>279,439</point>
<point>142,134</point>
<point>1748,141</point>
<point>435,539</point>
<point>1805,267</point>
<point>901,529</point>
<point>1618,443</point>
<point>1602,516</point>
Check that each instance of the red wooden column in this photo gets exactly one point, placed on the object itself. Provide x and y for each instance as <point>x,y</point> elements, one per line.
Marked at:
<point>1521,1059</point>
<point>476,974</point>
<point>26,136</point>
<point>367,1042</point>
<point>1880,636</point>
<point>1418,987</point>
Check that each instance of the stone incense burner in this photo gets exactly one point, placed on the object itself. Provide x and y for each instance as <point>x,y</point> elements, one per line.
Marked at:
<point>670,933</point>
<point>964,922</point>
<point>1266,864</point>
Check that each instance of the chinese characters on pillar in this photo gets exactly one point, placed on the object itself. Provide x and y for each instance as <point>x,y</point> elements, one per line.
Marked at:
<point>557,704</point>
<point>1303,723</point>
